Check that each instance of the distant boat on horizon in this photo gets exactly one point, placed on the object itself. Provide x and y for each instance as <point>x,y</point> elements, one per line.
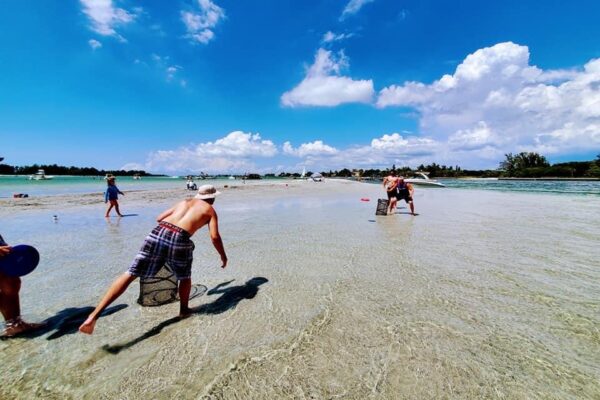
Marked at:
<point>40,175</point>
<point>421,178</point>
<point>316,177</point>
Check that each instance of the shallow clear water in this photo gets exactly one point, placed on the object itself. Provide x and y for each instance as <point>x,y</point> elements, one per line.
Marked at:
<point>560,187</point>
<point>87,184</point>
<point>483,295</point>
<point>83,184</point>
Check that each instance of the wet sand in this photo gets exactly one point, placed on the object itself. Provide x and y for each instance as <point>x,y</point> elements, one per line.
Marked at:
<point>483,295</point>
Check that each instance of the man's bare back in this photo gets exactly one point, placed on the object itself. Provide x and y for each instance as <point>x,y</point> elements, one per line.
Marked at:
<point>190,215</point>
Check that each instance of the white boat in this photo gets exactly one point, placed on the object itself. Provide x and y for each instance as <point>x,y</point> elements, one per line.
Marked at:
<point>137,177</point>
<point>40,175</point>
<point>421,178</point>
<point>303,175</point>
<point>231,177</point>
<point>316,177</point>
<point>204,175</point>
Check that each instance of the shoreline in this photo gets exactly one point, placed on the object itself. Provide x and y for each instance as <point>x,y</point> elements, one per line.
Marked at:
<point>48,201</point>
<point>9,205</point>
<point>552,179</point>
<point>482,293</point>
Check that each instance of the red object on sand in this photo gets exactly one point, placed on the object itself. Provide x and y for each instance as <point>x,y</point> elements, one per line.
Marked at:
<point>365,199</point>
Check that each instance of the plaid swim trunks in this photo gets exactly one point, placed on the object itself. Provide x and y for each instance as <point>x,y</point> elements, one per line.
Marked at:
<point>166,244</point>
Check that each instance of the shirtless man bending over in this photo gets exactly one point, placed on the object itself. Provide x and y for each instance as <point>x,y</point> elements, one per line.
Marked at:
<point>405,192</point>
<point>390,183</point>
<point>169,243</point>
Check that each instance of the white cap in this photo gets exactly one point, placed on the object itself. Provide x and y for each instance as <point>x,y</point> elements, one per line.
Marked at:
<point>207,192</point>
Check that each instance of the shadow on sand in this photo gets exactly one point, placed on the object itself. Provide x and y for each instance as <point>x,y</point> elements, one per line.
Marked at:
<point>230,297</point>
<point>66,322</point>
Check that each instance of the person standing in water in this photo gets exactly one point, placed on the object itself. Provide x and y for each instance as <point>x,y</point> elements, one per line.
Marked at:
<point>390,183</point>
<point>112,196</point>
<point>169,242</point>
<point>10,305</point>
<point>405,192</point>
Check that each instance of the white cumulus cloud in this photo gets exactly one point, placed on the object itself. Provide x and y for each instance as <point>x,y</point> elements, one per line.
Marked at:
<point>382,151</point>
<point>316,148</point>
<point>353,7</point>
<point>478,137</point>
<point>104,16</point>
<point>234,152</point>
<point>200,24</point>
<point>330,37</point>
<point>94,44</point>
<point>323,85</point>
<point>496,100</point>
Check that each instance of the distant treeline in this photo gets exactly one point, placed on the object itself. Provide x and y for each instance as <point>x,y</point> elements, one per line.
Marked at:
<point>522,165</point>
<point>534,165</point>
<point>61,170</point>
<point>434,171</point>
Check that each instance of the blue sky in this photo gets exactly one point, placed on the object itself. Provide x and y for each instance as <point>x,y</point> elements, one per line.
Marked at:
<point>267,86</point>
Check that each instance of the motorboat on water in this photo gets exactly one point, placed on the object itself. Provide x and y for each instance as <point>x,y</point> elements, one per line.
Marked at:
<point>231,178</point>
<point>316,177</point>
<point>137,177</point>
<point>40,175</point>
<point>421,178</point>
<point>204,175</point>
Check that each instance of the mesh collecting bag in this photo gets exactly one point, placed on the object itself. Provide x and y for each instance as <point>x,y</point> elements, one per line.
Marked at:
<point>162,288</point>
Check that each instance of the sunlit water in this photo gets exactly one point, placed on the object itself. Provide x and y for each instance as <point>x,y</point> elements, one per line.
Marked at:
<point>559,187</point>
<point>60,185</point>
<point>483,295</point>
<point>10,185</point>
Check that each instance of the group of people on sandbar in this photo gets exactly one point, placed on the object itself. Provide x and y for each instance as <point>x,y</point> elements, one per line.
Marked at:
<point>168,243</point>
<point>397,189</point>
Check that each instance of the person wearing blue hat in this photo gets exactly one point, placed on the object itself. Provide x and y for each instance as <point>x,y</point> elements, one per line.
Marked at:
<point>10,306</point>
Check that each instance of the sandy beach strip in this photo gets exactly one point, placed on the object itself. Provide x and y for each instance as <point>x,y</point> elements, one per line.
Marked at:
<point>483,295</point>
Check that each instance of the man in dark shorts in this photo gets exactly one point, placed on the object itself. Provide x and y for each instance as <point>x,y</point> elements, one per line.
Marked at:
<point>169,243</point>
<point>405,192</point>
<point>10,305</point>
<point>390,183</point>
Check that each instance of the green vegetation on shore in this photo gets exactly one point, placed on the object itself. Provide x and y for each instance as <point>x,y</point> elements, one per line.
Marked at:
<point>521,165</point>
<point>534,165</point>
<point>54,169</point>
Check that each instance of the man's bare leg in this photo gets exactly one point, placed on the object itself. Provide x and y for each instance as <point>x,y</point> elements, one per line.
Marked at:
<point>10,307</point>
<point>412,207</point>
<point>108,211</point>
<point>115,290</point>
<point>9,297</point>
<point>392,208</point>
<point>185,287</point>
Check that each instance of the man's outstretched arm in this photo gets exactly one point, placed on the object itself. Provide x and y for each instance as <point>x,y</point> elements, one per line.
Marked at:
<point>215,237</point>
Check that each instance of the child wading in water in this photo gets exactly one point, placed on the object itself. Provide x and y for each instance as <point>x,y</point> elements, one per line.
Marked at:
<point>112,196</point>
